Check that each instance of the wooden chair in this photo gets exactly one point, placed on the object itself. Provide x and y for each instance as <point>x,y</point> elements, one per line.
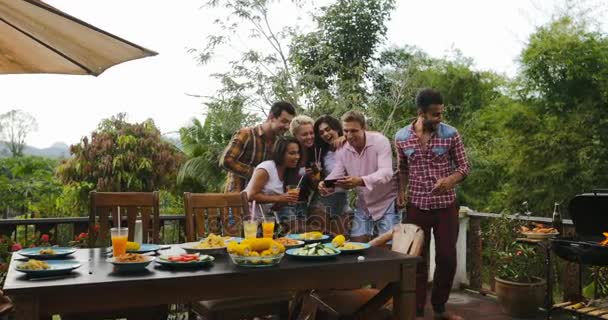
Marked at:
<point>210,213</point>
<point>6,305</point>
<point>368,303</point>
<point>104,205</point>
<point>133,205</point>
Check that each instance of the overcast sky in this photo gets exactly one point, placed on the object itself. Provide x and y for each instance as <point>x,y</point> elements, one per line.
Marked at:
<point>492,32</point>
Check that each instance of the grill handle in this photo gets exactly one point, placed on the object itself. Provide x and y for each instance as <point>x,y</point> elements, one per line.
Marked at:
<point>599,190</point>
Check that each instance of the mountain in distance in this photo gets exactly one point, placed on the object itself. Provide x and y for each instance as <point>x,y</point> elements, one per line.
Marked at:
<point>57,150</point>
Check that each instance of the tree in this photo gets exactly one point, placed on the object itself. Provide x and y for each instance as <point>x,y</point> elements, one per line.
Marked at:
<point>122,156</point>
<point>266,74</point>
<point>204,143</point>
<point>333,61</point>
<point>15,125</point>
<point>27,184</point>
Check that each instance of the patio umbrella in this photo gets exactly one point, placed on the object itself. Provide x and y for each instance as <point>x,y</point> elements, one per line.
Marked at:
<point>38,38</point>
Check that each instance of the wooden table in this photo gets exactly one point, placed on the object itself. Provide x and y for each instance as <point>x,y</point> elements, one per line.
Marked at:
<point>94,286</point>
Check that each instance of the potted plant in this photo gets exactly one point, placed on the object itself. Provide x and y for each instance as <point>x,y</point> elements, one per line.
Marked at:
<point>519,289</point>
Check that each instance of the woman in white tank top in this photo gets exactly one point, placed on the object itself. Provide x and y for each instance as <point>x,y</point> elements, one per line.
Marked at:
<point>267,185</point>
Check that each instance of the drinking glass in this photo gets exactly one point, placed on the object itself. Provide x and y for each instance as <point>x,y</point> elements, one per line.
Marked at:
<point>119,241</point>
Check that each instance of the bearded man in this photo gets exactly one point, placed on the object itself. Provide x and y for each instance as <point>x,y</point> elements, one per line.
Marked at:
<point>431,162</point>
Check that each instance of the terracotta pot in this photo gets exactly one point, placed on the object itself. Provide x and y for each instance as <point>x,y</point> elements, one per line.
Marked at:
<point>519,299</point>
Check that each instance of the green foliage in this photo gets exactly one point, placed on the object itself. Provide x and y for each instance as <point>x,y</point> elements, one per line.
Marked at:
<point>518,263</point>
<point>204,143</point>
<point>597,287</point>
<point>549,142</point>
<point>27,184</point>
<point>401,72</point>
<point>332,61</point>
<point>120,156</point>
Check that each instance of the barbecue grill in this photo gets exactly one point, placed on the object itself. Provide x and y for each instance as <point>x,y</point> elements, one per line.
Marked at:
<point>589,213</point>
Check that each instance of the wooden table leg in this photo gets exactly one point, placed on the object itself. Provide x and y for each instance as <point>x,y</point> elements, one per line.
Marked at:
<point>26,308</point>
<point>404,300</point>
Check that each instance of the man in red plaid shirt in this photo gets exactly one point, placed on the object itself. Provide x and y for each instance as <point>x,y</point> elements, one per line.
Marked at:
<point>432,160</point>
<point>250,146</point>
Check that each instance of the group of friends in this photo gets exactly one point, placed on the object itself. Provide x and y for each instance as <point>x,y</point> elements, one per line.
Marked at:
<point>304,178</point>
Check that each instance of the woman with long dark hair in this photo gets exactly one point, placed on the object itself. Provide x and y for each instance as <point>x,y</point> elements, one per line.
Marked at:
<point>329,137</point>
<point>270,178</point>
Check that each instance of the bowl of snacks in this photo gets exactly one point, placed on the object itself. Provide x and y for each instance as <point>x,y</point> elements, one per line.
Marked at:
<point>289,242</point>
<point>314,251</point>
<point>213,244</point>
<point>313,236</point>
<point>46,252</point>
<point>131,262</point>
<point>258,252</point>
<point>38,268</point>
<point>186,260</point>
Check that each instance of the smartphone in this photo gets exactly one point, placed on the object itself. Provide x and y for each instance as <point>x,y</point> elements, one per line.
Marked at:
<point>330,183</point>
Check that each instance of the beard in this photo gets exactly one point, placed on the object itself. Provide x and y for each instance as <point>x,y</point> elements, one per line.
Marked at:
<point>429,126</point>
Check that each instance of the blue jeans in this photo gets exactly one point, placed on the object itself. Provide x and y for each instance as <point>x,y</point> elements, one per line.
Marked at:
<point>292,212</point>
<point>334,204</point>
<point>364,225</point>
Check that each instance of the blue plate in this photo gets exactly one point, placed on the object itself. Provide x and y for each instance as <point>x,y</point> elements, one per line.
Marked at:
<point>56,267</point>
<point>363,245</point>
<point>144,248</point>
<point>191,247</point>
<point>202,261</point>
<point>298,236</point>
<point>35,252</point>
<point>131,266</point>
<point>291,253</point>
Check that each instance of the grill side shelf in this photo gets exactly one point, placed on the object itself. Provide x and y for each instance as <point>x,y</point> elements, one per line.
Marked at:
<point>578,308</point>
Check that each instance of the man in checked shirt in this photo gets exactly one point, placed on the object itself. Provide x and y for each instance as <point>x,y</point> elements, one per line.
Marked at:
<point>432,161</point>
<point>250,146</point>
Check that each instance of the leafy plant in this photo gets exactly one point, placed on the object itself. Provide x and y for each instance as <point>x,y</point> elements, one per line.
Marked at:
<point>518,263</point>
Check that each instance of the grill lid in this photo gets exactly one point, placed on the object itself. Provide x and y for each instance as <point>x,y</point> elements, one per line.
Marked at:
<point>589,213</point>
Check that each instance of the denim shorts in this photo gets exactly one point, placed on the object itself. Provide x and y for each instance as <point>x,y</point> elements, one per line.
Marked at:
<point>363,224</point>
<point>334,204</point>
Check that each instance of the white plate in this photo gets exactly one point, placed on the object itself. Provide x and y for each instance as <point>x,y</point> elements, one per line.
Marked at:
<point>539,235</point>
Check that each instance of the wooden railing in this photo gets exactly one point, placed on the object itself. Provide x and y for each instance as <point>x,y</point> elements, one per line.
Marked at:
<point>567,277</point>
<point>66,229</point>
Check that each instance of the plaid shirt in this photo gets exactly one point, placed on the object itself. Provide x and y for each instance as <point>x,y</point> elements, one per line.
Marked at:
<point>247,148</point>
<point>443,155</point>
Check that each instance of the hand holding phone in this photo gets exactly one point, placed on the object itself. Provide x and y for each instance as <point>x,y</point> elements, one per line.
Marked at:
<point>331,183</point>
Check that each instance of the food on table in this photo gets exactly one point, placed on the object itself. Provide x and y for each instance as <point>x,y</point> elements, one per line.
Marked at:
<point>538,228</point>
<point>351,246</point>
<point>211,242</point>
<point>338,241</point>
<point>288,241</point>
<point>47,251</point>
<point>33,264</point>
<point>315,249</point>
<point>133,246</point>
<point>256,247</point>
<point>313,235</point>
<point>130,258</point>
<point>186,258</point>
